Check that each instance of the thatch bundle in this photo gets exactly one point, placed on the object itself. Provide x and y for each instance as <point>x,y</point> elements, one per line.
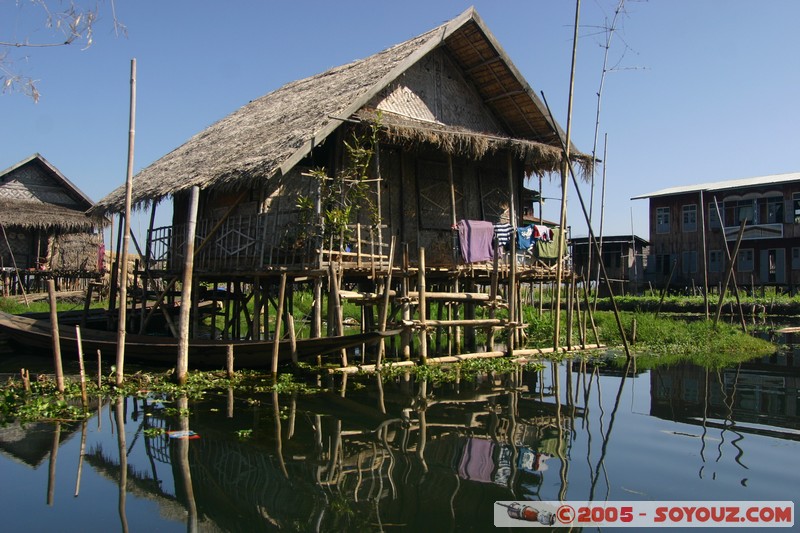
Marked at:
<point>26,214</point>
<point>539,158</point>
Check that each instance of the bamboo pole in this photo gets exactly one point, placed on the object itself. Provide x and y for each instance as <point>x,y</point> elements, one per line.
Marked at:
<point>594,242</point>
<point>126,237</point>
<point>84,397</point>
<point>703,251</point>
<point>59,371</point>
<point>186,288</point>
<point>385,307</point>
<point>512,298</point>
<point>564,182</point>
<point>728,255</point>
<point>730,270</point>
<point>666,287</point>
<point>423,335</point>
<point>278,317</point>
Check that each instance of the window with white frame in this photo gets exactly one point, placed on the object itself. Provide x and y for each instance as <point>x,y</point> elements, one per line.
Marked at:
<point>744,262</point>
<point>662,220</point>
<point>689,221</point>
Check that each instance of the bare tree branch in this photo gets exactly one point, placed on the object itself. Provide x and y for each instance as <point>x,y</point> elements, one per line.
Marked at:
<point>65,23</point>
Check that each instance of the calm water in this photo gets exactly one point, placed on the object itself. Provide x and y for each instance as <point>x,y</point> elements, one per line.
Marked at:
<point>409,456</point>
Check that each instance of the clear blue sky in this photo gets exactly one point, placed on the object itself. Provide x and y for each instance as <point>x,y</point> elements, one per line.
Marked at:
<point>703,90</point>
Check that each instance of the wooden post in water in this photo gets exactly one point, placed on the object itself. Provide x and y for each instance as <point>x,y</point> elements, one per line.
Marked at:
<point>229,361</point>
<point>405,336</point>
<point>423,335</point>
<point>278,317</point>
<point>182,369</point>
<point>512,298</point>
<point>59,371</point>
<point>84,397</point>
<point>126,237</point>
<point>385,307</point>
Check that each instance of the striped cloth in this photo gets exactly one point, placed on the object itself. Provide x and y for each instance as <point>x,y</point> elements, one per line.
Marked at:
<point>502,233</point>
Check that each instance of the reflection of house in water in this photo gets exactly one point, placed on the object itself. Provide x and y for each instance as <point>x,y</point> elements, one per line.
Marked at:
<point>32,443</point>
<point>424,459</point>
<point>754,395</point>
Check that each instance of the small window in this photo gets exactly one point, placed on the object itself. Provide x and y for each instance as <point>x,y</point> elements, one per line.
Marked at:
<point>689,218</point>
<point>662,220</point>
<point>715,260</point>
<point>744,263</point>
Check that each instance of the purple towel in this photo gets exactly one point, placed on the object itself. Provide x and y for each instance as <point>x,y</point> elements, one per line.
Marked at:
<point>475,237</point>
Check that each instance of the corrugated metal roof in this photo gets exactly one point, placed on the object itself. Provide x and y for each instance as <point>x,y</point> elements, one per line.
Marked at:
<point>722,185</point>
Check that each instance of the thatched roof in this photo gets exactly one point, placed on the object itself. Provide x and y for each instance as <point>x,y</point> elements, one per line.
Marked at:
<point>29,215</point>
<point>270,135</point>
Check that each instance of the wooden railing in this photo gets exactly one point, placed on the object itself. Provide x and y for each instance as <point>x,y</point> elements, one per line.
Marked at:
<point>253,242</point>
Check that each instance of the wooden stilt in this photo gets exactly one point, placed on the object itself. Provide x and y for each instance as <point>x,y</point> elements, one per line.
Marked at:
<point>278,317</point>
<point>229,361</point>
<point>58,369</point>
<point>423,336</point>
<point>182,368</point>
<point>385,307</point>
<point>405,336</point>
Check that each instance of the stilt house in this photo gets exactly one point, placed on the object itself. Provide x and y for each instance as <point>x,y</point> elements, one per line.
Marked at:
<point>45,229</point>
<point>404,145</point>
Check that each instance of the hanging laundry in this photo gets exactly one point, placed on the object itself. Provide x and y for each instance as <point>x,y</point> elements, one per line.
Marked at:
<point>548,249</point>
<point>542,232</point>
<point>475,238</point>
<point>502,233</point>
<point>524,237</point>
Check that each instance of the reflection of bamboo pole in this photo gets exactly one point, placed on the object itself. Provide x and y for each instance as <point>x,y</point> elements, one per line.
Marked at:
<point>276,412</point>
<point>51,476</point>
<point>51,289</point>
<point>423,425</point>
<point>182,457</point>
<point>607,436</point>
<point>123,462</point>
<point>80,457</point>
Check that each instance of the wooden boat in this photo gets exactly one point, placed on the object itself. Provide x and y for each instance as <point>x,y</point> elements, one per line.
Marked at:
<point>163,351</point>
